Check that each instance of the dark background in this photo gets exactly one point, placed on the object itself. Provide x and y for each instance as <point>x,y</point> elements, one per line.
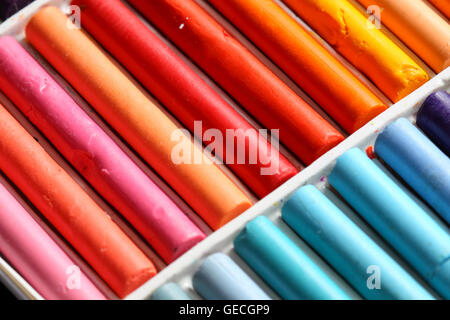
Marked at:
<point>7,9</point>
<point>4,293</point>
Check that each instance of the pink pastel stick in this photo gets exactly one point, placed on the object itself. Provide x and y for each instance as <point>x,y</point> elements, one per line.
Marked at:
<point>38,258</point>
<point>94,154</point>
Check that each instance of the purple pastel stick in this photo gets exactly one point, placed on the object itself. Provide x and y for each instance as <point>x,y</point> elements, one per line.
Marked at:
<point>434,119</point>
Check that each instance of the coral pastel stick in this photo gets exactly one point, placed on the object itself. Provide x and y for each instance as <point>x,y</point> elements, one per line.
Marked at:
<point>181,90</point>
<point>147,128</point>
<point>70,209</point>
<point>94,154</point>
<point>36,256</point>
<point>254,86</point>
<point>345,28</point>
<point>419,27</point>
<point>309,64</point>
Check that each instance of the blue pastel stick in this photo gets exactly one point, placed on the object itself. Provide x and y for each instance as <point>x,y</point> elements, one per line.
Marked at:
<point>396,217</point>
<point>220,278</point>
<point>170,291</point>
<point>419,162</point>
<point>349,250</point>
<point>289,271</point>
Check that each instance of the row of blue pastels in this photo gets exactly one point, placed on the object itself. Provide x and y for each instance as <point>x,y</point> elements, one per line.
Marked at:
<point>420,239</point>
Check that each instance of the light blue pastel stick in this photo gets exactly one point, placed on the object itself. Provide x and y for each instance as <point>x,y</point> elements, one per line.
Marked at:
<point>396,217</point>
<point>349,250</point>
<point>170,291</point>
<point>220,278</point>
<point>289,271</point>
<point>419,162</point>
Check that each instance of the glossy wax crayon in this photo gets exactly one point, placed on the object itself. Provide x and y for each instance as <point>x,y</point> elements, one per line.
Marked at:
<point>347,248</point>
<point>94,154</point>
<point>340,93</point>
<point>419,162</point>
<point>220,278</point>
<point>242,75</point>
<point>170,291</point>
<point>146,127</point>
<point>419,27</point>
<point>279,262</point>
<point>434,119</point>
<point>184,93</point>
<point>443,6</point>
<point>40,261</point>
<point>76,216</point>
<point>347,30</point>
<point>395,216</point>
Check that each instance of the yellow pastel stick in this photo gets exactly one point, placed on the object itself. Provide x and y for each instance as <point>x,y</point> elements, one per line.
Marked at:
<point>351,33</point>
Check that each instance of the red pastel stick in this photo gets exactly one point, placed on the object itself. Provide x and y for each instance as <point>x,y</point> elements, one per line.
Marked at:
<point>242,75</point>
<point>183,92</point>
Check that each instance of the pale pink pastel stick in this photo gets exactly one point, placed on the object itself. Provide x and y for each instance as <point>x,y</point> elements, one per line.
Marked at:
<point>35,255</point>
<point>94,154</point>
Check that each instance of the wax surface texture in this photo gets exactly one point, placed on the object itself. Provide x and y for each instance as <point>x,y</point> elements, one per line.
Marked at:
<point>92,233</point>
<point>220,278</point>
<point>419,27</point>
<point>141,123</point>
<point>254,86</point>
<point>419,162</point>
<point>346,29</point>
<point>310,65</point>
<point>183,92</point>
<point>347,248</point>
<point>434,119</point>
<point>94,154</point>
<point>279,262</point>
<point>170,291</point>
<point>395,216</point>
<point>31,251</point>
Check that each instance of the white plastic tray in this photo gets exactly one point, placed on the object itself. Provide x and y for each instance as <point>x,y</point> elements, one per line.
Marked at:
<point>181,270</point>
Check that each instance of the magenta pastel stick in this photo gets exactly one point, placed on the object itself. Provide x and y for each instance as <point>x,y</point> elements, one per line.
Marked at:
<point>40,261</point>
<point>94,154</point>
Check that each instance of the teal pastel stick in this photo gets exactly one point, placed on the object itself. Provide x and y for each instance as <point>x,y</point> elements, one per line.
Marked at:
<point>419,162</point>
<point>349,250</point>
<point>170,291</point>
<point>220,278</point>
<point>282,265</point>
<point>396,217</point>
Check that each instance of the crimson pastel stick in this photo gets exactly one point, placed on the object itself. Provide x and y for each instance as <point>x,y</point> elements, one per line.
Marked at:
<point>252,84</point>
<point>185,93</point>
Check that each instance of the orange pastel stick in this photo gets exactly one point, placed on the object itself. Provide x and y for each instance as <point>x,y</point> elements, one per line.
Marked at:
<point>202,184</point>
<point>122,265</point>
<point>443,6</point>
<point>305,60</point>
<point>425,32</point>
